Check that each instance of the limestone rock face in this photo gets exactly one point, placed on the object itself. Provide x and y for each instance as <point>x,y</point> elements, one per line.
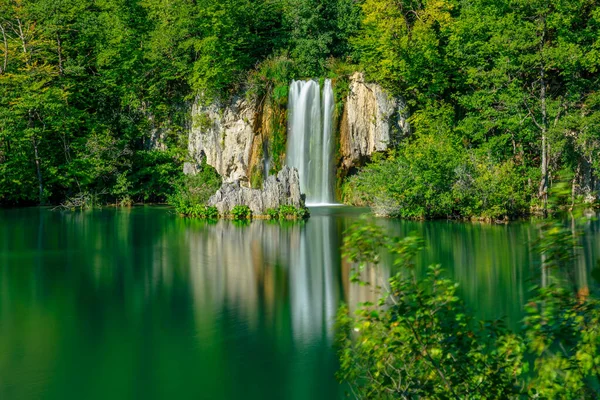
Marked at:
<point>224,136</point>
<point>231,137</point>
<point>372,121</point>
<point>280,189</point>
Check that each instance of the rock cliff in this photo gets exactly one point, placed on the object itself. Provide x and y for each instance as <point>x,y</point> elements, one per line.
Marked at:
<point>235,138</point>
<point>224,135</point>
<point>372,121</point>
<point>280,189</point>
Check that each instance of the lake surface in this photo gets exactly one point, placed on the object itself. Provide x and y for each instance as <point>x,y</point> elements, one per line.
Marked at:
<point>142,304</point>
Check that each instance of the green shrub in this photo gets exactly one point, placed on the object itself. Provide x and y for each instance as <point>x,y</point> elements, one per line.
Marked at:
<point>121,190</point>
<point>195,190</point>
<point>207,212</point>
<point>420,341</point>
<point>125,201</point>
<point>287,212</point>
<point>489,190</point>
<point>198,211</point>
<point>273,213</point>
<point>432,177</point>
<point>415,182</point>
<point>82,201</point>
<point>241,212</point>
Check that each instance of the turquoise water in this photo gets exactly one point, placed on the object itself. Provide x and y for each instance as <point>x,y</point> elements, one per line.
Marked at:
<point>139,303</point>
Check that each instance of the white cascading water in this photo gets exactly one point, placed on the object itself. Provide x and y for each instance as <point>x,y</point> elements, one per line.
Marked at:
<point>310,144</point>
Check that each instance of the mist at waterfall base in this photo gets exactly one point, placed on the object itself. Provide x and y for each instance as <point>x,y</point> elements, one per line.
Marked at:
<point>310,139</point>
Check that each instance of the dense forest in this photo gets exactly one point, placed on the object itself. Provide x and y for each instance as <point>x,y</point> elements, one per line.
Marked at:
<point>503,94</point>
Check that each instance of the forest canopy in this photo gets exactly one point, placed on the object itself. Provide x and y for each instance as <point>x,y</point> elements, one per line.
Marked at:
<point>94,96</point>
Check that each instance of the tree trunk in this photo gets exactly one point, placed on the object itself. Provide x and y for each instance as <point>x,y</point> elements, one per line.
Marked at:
<point>576,185</point>
<point>36,154</point>
<point>21,34</point>
<point>5,41</point>
<point>543,189</point>
<point>30,123</point>
<point>38,170</point>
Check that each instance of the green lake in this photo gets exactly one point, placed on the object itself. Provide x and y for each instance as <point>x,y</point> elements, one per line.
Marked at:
<point>141,304</point>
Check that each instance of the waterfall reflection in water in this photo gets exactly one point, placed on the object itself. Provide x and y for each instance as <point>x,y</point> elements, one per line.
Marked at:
<point>254,268</point>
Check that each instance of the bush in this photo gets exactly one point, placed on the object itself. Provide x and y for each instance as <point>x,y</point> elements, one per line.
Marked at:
<point>82,201</point>
<point>490,191</point>
<point>415,182</point>
<point>432,177</point>
<point>195,190</point>
<point>199,211</point>
<point>273,213</point>
<point>121,191</point>
<point>125,201</point>
<point>287,212</point>
<point>241,212</point>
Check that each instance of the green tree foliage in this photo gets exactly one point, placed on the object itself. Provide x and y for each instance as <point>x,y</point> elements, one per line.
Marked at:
<point>195,190</point>
<point>516,79</point>
<point>421,341</point>
<point>76,111</point>
<point>91,92</point>
<point>94,96</point>
<point>432,177</point>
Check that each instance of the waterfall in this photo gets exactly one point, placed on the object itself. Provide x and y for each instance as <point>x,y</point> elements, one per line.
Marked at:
<point>310,144</point>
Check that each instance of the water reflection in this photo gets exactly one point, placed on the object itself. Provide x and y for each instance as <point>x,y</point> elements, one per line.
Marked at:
<point>140,303</point>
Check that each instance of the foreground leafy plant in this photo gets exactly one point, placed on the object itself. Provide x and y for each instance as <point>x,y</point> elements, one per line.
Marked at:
<point>421,341</point>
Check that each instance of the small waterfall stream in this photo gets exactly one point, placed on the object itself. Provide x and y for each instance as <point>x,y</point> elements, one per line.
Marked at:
<point>310,142</point>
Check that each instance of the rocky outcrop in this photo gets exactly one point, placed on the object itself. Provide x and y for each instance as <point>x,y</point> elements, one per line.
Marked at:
<point>243,139</point>
<point>236,139</point>
<point>372,121</point>
<point>223,135</point>
<point>280,189</point>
